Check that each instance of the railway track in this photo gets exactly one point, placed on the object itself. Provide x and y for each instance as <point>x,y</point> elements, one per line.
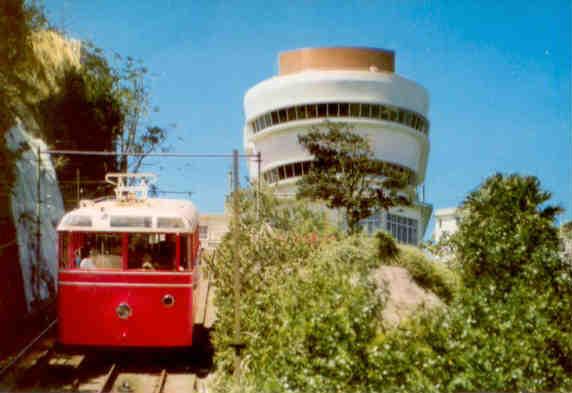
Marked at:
<point>45,367</point>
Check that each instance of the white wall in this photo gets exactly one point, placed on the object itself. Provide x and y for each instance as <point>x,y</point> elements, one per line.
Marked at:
<point>446,222</point>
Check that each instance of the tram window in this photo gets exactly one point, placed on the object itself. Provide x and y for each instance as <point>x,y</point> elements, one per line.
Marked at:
<point>98,250</point>
<point>64,251</point>
<point>322,108</point>
<point>78,221</point>
<point>301,112</point>
<point>130,221</point>
<point>153,251</point>
<point>170,222</point>
<point>185,247</point>
<point>282,115</point>
<point>365,110</point>
<point>344,109</point>
<point>292,113</point>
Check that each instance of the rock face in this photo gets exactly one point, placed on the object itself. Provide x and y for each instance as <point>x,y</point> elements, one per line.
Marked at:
<point>29,268</point>
<point>404,296</point>
<point>34,222</point>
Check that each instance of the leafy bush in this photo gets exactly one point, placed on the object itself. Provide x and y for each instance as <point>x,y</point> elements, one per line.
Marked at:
<point>386,246</point>
<point>309,309</point>
<point>311,313</point>
<point>509,327</point>
<point>433,276</point>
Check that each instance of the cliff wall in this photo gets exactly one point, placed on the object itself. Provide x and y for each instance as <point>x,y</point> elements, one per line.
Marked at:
<point>30,267</point>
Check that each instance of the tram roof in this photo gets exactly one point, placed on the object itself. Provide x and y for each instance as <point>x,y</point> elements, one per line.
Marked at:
<point>149,215</point>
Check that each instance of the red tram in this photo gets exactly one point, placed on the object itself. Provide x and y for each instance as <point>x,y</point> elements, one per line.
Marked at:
<point>127,269</point>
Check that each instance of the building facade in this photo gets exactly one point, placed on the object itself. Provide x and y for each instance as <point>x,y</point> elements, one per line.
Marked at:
<point>356,86</point>
<point>446,222</point>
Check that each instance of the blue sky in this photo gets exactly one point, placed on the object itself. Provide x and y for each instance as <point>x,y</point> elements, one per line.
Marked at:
<point>498,75</point>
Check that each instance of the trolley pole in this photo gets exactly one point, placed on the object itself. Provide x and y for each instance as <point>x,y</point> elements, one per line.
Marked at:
<point>36,277</point>
<point>77,185</point>
<point>236,260</point>
<point>258,163</point>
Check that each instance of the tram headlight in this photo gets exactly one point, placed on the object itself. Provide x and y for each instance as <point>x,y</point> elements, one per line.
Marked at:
<point>123,311</point>
<point>168,300</point>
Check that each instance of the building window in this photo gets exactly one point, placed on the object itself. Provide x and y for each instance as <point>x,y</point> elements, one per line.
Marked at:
<point>404,229</point>
<point>203,232</point>
<point>333,110</point>
<point>372,224</point>
<point>354,110</point>
<point>297,169</point>
<point>323,110</point>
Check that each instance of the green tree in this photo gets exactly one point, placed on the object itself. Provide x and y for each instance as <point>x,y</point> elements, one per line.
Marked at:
<point>509,328</point>
<point>136,135</point>
<point>345,174</point>
<point>18,20</point>
<point>508,229</point>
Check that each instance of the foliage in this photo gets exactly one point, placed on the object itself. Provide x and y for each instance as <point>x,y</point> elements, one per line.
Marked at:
<point>18,20</point>
<point>345,174</point>
<point>508,329</point>
<point>566,230</point>
<point>309,309</point>
<point>507,228</point>
<point>84,115</point>
<point>431,275</point>
<point>135,136</point>
<point>386,246</point>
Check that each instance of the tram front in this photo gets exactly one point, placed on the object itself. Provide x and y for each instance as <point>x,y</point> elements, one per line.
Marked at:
<point>127,268</point>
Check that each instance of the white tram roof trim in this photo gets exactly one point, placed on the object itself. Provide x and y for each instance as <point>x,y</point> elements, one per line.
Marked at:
<point>149,215</point>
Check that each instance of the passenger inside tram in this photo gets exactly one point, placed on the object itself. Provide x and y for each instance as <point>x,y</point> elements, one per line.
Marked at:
<point>152,251</point>
<point>88,262</point>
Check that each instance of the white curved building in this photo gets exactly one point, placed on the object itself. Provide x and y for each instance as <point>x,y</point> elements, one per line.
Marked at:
<point>357,86</point>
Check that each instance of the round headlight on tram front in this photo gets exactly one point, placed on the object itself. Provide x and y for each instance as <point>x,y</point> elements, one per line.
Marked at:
<point>123,311</point>
<point>168,300</point>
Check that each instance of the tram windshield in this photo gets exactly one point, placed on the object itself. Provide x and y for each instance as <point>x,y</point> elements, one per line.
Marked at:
<point>148,251</point>
<point>152,251</point>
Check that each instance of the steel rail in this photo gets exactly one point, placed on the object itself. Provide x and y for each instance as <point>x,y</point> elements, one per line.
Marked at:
<point>161,385</point>
<point>109,379</point>
<point>22,352</point>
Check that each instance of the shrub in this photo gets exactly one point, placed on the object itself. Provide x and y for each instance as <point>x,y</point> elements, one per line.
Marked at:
<point>430,275</point>
<point>508,329</point>
<point>386,246</point>
<point>309,309</point>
